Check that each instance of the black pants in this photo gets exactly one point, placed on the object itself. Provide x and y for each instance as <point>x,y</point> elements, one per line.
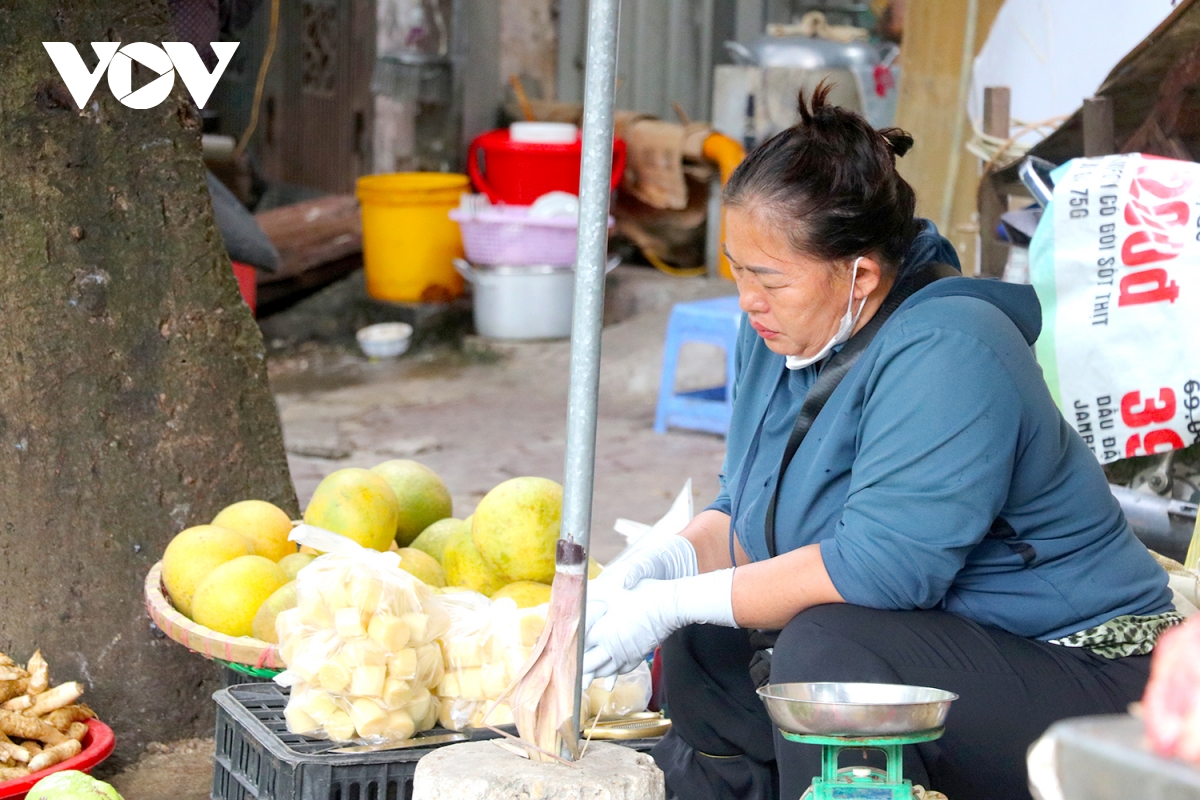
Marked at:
<point>722,745</point>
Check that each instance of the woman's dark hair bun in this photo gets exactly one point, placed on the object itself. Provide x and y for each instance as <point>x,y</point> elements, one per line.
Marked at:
<point>830,180</point>
<point>818,108</point>
<point>898,141</point>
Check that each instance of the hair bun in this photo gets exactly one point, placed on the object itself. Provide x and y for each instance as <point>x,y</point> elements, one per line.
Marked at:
<point>818,108</point>
<point>898,141</point>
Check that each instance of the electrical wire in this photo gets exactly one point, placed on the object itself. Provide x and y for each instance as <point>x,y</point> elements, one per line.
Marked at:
<point>261,82</point>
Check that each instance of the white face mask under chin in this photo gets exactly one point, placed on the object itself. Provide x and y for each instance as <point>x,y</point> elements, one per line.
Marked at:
<point>845,327</point>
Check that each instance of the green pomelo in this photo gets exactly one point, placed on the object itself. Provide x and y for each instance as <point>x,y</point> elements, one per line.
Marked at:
<point>358,504</point>
<point>422,566</point>
<point>465,567</point>
<point>516,526</point>
<point>422,496</point>
<point>434,538</point>
<point>283,599</point>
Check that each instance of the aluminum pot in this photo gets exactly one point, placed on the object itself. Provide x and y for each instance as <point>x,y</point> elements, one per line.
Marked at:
<point>805,52</point>
<point>520,301</point>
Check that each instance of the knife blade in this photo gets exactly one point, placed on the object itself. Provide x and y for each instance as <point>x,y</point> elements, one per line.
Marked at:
<point>401,744</point>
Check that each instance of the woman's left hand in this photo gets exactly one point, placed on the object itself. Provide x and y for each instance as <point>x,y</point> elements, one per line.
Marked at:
<point>627,624</point>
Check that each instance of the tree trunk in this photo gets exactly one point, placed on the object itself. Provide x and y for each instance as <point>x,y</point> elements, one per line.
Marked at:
<point>133,392</point>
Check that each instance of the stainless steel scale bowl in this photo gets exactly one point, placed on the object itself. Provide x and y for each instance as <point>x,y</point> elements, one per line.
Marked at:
<point>858,716</point>
<point>855,709</point>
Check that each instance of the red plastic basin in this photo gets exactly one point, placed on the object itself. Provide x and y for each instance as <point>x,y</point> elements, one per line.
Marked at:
<point>97,745</point>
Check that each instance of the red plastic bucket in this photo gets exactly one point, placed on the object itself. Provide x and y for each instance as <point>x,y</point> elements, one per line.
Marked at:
<point>518,173</point>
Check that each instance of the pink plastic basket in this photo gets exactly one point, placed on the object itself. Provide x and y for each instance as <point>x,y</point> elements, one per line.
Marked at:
<point>506,235</point>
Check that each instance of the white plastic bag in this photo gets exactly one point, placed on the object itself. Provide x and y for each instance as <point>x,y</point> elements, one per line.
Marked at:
<point>360,645</point>
<point>1116,265</point>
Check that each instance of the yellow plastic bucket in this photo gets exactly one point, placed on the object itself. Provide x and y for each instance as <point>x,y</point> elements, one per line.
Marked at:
<point>409,240</point>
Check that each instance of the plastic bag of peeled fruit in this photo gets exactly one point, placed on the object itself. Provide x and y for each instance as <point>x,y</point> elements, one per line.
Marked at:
<point>360,646</point>
<point>629,695</point>
<point>483,649</point>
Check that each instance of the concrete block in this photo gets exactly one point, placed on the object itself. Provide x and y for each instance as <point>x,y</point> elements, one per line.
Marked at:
<point>484,771</point>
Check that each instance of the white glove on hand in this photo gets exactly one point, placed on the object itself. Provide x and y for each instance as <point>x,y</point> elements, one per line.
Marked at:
<point>624,626</point>
<point>670,559</point>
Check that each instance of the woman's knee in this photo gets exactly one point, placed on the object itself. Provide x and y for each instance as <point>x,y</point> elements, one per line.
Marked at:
<point>823,643</point>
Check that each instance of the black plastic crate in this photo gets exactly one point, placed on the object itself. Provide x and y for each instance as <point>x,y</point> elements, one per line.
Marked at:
<point>258,759</point>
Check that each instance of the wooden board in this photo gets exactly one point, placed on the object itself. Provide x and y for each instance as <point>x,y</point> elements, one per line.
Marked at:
<point>311,233</point>
<point>927,108</point>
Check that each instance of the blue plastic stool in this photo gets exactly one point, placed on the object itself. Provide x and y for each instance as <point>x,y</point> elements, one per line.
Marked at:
<point>711,322</point>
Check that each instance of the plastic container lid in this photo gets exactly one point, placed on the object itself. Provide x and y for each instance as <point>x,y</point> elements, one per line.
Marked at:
<point>543,132</point>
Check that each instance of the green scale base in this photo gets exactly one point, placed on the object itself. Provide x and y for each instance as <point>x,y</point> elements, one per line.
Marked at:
<point>862,783</point>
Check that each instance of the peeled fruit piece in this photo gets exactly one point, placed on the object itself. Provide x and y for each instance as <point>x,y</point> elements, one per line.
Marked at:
<point>368,681</point>
<point>400,725</point>
<point>423,566</point>
<point>422,495</point>
<point>403,665</point>
<point>369,718</point>
<point>390,633</point>
<point>340,727</point>
<point>358,504</point>
<point>466,567</point>
<point>299,722</point>
<point>516,528</point>
<point>526,594</point>
<point>594,568</point>
<point>291,565</point>
<point>194,553</point>
<point>228,599</point>
<point>283,599</point>
<point>335,677</point>
<point>265,525</point>
<point>433,539</point>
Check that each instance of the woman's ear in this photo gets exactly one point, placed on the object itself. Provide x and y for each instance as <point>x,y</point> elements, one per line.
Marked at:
<point>869,277</point>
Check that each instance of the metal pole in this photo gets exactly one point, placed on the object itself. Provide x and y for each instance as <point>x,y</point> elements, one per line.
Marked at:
<point>594,190</point>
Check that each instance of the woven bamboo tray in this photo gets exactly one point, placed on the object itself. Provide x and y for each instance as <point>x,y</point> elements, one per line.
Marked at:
<point>205,641</point>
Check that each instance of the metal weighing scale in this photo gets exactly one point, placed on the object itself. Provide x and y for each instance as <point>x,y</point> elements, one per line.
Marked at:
<point>858,716</point>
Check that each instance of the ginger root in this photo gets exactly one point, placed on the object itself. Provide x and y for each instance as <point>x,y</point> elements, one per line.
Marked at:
<point>14,688</point>
<point>14,752</point>
<point>22,703</point>
<point>46,721</point>
<point>12,674</point>
<point>63,717</point>
<point>53,699</point>
<point>26,727</point>
<point>39,673</point>
<point>54,755</point>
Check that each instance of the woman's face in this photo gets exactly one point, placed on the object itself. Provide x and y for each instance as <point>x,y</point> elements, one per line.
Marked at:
<point>794,302</point>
